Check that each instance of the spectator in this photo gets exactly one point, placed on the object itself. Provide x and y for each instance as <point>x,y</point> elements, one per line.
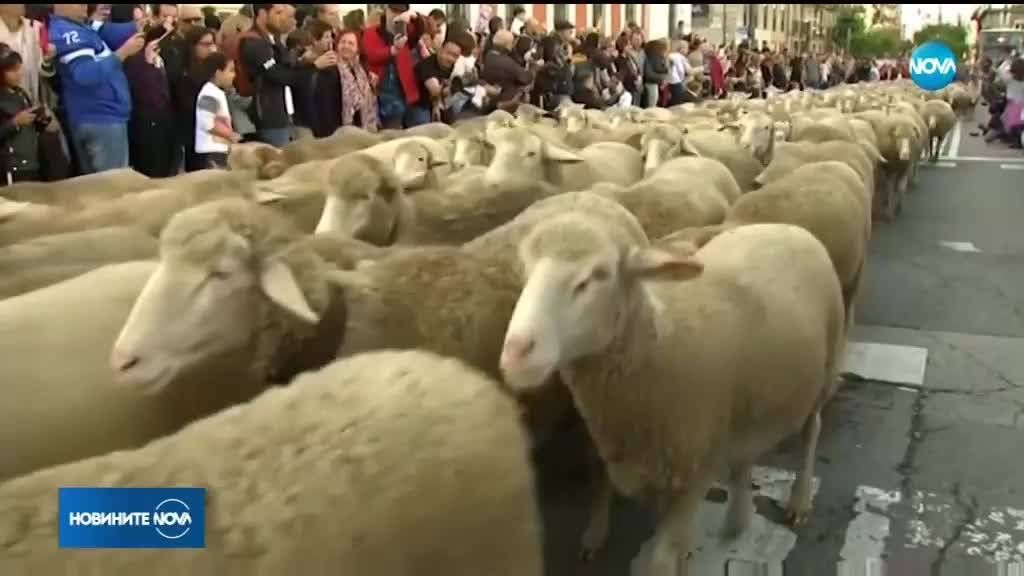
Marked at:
<point>796,75</point>
<point>354,21</point>
<point>267,69</point>
<point>210,18</point>
<point>328,14</point>
<point>433,36</point>
<point>20,122</point>
<point>199,45</point>
<point>656,71</point>
<point>151,132</point>
<point>468,96</point>
<point>493,25</point>
<point>606,82</point>
<point>387,45</point>
<point>231,30</point>
<point>678,72</point>
<point>635,51</point>
<point>503,72</point>
<point>625,66</point>
<point>301,109</point>
<point>584,89</point>
<point>779,77</point>
<point>434,75</point>
<point>214,134</point>
<point>342,95</point>
<point>22,36</point>
<point>812,72</point>
<point>518,20</point>
<point>94,88</point>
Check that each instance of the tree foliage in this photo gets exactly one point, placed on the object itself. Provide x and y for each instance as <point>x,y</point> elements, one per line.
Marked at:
<point>851,32</point>
<point>951,35</point>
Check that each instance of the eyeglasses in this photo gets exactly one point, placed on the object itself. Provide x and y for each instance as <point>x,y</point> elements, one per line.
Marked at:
<point>192,20</point>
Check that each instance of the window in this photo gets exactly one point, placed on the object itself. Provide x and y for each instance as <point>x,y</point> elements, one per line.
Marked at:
<point>630,14</point>
<point>561,12</point>
<point>599,16</point>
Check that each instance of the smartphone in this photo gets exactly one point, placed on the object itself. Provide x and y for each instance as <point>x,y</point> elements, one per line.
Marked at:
<point>398,27</point>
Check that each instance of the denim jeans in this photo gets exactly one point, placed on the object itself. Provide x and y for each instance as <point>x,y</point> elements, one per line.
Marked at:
<point>278,137</point>
<point>416,116</point>
<point>101,146</point>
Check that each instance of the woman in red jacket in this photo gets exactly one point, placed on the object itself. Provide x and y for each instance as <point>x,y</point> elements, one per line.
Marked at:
<point>387,50</point>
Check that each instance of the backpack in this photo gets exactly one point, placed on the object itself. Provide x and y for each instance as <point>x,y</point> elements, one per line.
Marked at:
<point>243,82</point>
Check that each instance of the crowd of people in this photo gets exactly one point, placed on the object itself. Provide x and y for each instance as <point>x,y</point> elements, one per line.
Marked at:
<point>164,88</point>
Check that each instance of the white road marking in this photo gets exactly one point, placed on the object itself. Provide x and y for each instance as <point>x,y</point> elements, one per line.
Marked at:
<point>996,534</point>
<point>865,539</point>
<point>887,362</point>
<point>1012,166</point>
<point>954,140</point>
<point>941,164</point>
<point>762,548</point>
<point>980,159</point>
<point>960,246</point>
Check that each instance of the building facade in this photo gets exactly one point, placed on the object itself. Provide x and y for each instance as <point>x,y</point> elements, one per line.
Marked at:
<point>798,27</point>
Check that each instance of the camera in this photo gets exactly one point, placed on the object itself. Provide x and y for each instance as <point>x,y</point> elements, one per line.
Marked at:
<point>42,116</point>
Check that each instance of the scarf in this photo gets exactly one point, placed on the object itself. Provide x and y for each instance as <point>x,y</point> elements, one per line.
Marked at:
<point>357,94</point>
<point>26,43</point>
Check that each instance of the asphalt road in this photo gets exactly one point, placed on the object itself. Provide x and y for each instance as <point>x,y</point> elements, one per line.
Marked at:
<point>920,477</point>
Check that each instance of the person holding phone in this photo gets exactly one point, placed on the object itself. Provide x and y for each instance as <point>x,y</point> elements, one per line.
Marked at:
<point>94,87</point>
<point>151,130</point>
<point>20,123</point>
<point>387,46</point>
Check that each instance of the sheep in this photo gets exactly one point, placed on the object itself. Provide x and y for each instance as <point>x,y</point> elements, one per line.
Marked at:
<point>522,158</point>
<point>626,345</point>
<point>709,172</point>
<point>54,348</point>
<point>941,119</point>
<point>789,155</point>
<point>365,201</point>
<point>756,133</point>
<point>899,145</point>
<point>11,210</point>
<point>81,191</point>
<point>346,139</point>
<point>470,148</point>
<point>432,130</point>
<point>148,210</point>
<point>369,464</point>
<point>48,259</point>
<point>263,161</point>
<point>275,291</point>
<point>418,161</point>
<point>662,143</point>
<point>669,200</point>
<point>826,198</point>
<point>961,99</point>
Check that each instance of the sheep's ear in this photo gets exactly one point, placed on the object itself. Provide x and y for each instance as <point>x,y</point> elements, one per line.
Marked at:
<point>559,154</point>
<point>267,197</point>
<point>279,284</point>
<point>434,163</point>
<point>655,264</point>
<point>351,278</point>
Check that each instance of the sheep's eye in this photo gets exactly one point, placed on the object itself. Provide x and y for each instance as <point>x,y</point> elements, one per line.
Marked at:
<point>580,287</point>
<point>531,154</point>
<point>219,274</point>
<point>599,274</point>
<point>421,160</point>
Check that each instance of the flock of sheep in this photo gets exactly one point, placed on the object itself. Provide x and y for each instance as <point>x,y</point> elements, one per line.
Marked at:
<point>358,344</point>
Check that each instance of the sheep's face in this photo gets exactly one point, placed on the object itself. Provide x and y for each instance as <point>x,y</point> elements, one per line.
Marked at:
<point>754,132</point>
<point>580,290</point>
<point>521,158</point>
<point>413,163</point>
<point>200,309</point>
<point>575,120</point>
<point>471,151</point>
<point>656,150</point>
<point>362,202</point>
<point>902,135</point>
<point>264,160</point>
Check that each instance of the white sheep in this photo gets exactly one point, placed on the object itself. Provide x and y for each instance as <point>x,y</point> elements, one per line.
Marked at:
<point>664,373</point>
<point>662,143</point>
<point>755,132</point>
<point>344,140</point>
<point>376,464</point>
<point>80,191</point>
<point>261,160</point>
<point>522,158</point>
<point>366,201</point>
<point>418,161</point>
<point>54,358</point>
<point>148,210</point>
<point>941,119</point>
<point>272,307</point>
<point>45,260</point>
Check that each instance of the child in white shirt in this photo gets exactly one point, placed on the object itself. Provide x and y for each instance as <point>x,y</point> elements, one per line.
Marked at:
<point>214,133</point>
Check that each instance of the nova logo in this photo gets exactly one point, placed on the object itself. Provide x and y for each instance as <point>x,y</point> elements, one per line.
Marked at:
<point>132,517</point>
<point>932,66</point>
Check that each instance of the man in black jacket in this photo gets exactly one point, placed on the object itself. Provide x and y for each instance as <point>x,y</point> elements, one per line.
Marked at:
<point>502,70</point>
<point>268,65</point>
